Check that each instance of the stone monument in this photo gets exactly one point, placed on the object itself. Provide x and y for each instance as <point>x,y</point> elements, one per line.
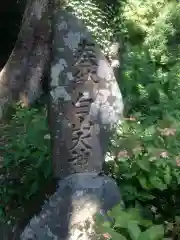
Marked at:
<point>85,100</point>
<point>85,104</point>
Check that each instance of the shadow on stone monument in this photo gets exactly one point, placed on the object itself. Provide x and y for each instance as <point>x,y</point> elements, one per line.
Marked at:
<point>84,106</point>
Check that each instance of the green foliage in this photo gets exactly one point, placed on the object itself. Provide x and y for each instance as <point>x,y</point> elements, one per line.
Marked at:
<point>26,158</point>
<point>145,148</point>
<point>129,225</point>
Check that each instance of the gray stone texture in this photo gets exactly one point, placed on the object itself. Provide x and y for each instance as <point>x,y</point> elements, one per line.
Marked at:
<point>85,101</point>
<point>69,213</point>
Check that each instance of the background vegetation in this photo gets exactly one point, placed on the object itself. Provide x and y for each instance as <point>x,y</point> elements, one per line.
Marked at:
<point>145,148</point>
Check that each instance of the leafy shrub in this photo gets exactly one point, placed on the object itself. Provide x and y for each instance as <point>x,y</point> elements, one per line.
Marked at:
<point>26,158</point>
<point>129,224</point>
<point>146,146</point>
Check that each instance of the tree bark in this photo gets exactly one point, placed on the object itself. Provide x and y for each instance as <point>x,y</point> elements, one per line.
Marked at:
<point>21,77</point>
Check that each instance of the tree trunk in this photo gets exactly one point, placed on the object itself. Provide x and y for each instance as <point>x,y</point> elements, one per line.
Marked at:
<point>21,77</point>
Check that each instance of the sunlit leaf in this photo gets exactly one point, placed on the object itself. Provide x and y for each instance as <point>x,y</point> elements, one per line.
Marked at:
<point>133,230</point>
<point>153,233</point>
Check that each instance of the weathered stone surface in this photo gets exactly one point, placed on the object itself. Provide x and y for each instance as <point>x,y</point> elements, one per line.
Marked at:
<point>69,213</point>
<point>85,100</point>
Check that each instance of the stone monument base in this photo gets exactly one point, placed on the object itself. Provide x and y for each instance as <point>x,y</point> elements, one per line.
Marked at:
<point>69,213</point>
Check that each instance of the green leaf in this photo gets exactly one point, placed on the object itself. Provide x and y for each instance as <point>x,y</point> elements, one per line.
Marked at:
<point>177,219</point>
<point>33,189</point>
<point>133,230</point>
<point>153,233</point>
<point>115,211</point>
<point>144,164</point>
<point>167,175</point>
<point>145,223</point>
<point>143,181</point>
<point>157,182</point>
<point>145,195</point>
<point>114,235</point>
<point>136,215</point>
<point>99,218</point>
<point>106,224</point>
<point>122,220</point>
<point>151,130</point>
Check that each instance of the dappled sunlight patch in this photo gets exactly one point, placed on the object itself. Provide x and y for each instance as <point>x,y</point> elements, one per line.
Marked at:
<point>178,161</point>
<point>167,131</point>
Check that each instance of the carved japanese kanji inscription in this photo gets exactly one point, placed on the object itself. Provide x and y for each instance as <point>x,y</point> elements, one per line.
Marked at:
<point>86,62</point>
<point>85,69</point>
